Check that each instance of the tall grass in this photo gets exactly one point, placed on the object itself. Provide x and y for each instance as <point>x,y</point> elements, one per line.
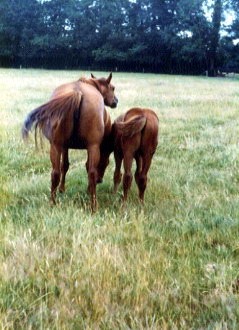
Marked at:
<point>172,264</point>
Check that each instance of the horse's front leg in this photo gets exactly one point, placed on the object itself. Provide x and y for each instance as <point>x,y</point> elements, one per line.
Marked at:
<point>64,168</point>
<point>55,156</point>
<point>92,164</point>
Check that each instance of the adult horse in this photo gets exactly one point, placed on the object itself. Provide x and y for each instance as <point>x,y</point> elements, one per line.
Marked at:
<point>75,118</point>
<point>134,135</point>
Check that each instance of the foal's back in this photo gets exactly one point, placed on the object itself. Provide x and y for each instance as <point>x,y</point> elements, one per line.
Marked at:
<point>146,139</point>
<point>135,136</point>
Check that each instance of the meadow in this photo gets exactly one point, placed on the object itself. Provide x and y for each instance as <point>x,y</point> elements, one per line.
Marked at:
<point>170,264</point>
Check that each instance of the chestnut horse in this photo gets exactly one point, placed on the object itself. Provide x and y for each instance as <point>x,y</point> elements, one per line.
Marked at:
<point>134,135</point>
<point>75,118</point>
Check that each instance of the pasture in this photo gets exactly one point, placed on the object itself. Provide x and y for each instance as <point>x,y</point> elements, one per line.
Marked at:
<point>172,264</point>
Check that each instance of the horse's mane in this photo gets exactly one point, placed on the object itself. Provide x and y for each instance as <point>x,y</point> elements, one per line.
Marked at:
<point>85,80</point>
<point>93,82</point>
<point>88,81</point>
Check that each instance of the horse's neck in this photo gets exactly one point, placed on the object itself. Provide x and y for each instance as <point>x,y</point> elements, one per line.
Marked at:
<point>107,119</point>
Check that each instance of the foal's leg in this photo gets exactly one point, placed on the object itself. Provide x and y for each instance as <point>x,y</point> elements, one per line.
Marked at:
<point>117,173</point>
<point>55,155</point>
<point>142,178</point>
<point>64,168</point>
<point>92,164</point>
<point>138,159</point>
<point>127,179</point>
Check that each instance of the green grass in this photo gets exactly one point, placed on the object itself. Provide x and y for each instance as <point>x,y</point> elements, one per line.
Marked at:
<point>172,264</point>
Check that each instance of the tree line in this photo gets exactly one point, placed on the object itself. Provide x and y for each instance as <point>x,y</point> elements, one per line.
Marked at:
<point>166,36</point>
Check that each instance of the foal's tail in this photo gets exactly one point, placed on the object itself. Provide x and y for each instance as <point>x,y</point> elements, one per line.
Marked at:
<point>131,126</point>
<point>54,110</point>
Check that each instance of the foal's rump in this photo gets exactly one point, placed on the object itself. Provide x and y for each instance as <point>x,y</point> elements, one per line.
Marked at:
<point>137,120</point>
<point>55,118</point>
<point>139,128</point>
<point>132,126</point>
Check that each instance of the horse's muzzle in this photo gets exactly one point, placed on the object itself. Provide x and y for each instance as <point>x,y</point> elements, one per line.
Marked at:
<point>114,103</point>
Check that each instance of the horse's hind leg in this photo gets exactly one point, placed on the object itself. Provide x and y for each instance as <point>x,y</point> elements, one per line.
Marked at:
<point>55,155</point>
<point>92,164</point>
<point>64,169</point>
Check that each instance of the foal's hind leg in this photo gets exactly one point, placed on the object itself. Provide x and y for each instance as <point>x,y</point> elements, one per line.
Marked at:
<point>127,179</point>
<point>64,169</point>
<point>138,159</point>
<point>117,173</point>
<point>55,155</point>
<point>142,177</point>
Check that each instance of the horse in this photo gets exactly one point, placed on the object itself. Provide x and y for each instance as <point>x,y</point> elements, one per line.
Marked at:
<point>134,135</point>
<point>75,118</point>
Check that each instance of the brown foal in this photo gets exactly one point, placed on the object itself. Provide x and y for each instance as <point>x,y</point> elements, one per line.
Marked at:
<point>134,135</point>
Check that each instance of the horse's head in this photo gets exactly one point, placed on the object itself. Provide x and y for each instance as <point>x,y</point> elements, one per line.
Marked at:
<point>106,89</point>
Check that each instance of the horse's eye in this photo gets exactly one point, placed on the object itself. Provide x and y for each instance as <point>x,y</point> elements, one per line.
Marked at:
<point>113,88</point>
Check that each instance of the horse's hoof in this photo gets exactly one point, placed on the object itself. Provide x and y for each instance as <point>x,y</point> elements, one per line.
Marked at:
<point>62,190</point>
<point>124,200</point>
<point>52,202</point>
<point>94,208</point>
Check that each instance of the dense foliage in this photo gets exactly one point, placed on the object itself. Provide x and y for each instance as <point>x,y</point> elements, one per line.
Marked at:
<point>173,36</point>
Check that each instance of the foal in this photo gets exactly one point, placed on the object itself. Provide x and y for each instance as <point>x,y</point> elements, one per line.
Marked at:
<point>134,135</point>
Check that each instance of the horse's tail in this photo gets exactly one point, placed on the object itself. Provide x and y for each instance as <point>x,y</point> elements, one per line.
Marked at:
<point>131,126</point>
<point>29,121</point>
<point>54,110</point>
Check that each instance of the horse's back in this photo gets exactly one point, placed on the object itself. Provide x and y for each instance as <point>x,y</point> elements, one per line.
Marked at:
<point>89,123</point>
<point>65,89</point>
<point>93,102</point>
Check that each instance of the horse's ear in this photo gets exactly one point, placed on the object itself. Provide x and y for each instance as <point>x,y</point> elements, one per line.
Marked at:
<point>92,76</point>
<point>109,78</point>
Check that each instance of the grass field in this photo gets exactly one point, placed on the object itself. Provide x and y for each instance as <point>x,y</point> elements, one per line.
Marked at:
<point>172,264</point>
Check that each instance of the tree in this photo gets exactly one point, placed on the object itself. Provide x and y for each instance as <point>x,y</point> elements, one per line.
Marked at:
<point>171,36</point>
<point>16,29</point>
<point>112,35</point>
<point>214,37</point>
